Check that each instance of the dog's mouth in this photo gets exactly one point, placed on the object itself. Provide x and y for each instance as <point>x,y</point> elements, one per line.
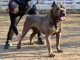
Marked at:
<point>62,17</point>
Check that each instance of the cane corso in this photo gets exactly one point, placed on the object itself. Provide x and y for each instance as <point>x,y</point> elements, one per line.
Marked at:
<point>48,25</point>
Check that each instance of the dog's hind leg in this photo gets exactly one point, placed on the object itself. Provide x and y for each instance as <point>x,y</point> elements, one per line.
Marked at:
<point>31,36</point>
<point>25,30</point>
<point>58,36</point>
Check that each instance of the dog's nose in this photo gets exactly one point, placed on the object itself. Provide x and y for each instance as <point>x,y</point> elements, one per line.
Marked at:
<point>62,13</point>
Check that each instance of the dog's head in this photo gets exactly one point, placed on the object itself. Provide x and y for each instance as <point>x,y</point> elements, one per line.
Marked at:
<point>58,11</point>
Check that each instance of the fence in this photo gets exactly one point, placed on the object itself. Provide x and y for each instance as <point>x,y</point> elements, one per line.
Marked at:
<point>46,4</point>
<point>72,6</point>
<point>3,5</point>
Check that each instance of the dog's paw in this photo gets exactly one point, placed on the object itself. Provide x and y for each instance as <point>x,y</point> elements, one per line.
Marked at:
<point>51,55</point>
<point>19,45</point>
<point>59,51</point>
<point>31,44</point>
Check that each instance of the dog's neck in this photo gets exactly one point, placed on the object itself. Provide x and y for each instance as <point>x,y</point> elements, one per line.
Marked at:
<point>52,19</point>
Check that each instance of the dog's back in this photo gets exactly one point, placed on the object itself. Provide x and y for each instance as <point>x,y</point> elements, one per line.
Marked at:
<point>40,22</point>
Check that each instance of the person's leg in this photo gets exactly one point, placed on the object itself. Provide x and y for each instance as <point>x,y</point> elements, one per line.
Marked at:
<point>40,38</point>
<point>32,12</point>
<point>10,35</point>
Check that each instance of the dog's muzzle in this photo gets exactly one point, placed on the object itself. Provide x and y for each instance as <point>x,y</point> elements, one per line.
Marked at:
<point>63,16</point>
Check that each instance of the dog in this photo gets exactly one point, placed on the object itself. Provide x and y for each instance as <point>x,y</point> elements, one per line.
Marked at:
<point>48,25</point>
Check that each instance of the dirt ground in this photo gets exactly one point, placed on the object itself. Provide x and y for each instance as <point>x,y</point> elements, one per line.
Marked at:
<point>70,42</point>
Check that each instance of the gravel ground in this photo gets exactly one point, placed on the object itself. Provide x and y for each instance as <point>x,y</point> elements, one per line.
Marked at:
<point>70,42</point>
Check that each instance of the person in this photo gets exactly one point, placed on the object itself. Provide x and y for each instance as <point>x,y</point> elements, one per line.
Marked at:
<point>17,8</point>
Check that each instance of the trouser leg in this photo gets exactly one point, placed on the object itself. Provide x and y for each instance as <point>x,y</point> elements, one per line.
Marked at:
<point>10,35</point>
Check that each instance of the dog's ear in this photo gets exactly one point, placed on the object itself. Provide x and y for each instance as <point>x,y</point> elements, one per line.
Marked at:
<point>53,4</point>
<point>51,13</point>
<point>62,6</point>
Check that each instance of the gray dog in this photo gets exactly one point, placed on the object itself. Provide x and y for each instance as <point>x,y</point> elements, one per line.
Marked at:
<point>48,25</point>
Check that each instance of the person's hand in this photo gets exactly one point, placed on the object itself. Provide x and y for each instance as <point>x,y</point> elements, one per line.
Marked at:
<point>57,31</point>
<point>19,36</point>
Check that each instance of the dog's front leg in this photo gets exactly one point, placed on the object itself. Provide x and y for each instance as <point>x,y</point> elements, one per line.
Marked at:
<point>49,46</point>
<point>58,36</point>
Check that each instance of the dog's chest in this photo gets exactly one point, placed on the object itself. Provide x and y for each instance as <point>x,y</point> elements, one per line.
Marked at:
<point>55,28</point>
<point>52,29</point>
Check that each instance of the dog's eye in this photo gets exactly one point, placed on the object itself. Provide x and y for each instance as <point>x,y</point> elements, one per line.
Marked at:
<point>57,8</point>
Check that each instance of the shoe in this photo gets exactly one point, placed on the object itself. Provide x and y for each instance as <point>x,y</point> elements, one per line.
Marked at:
<point>7,45</point>
<point>40,41</point>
